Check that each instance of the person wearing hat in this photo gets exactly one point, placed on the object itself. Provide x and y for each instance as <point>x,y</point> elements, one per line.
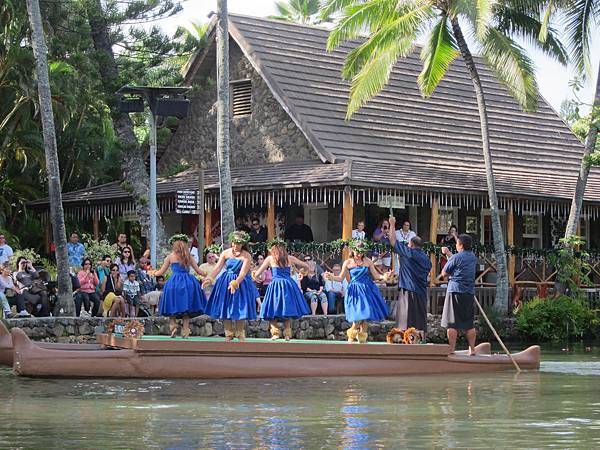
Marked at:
<point>363,300</point>
<point>234,294</point>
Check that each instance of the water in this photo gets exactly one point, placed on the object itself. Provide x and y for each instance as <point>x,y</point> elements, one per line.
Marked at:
<point>557,407</point>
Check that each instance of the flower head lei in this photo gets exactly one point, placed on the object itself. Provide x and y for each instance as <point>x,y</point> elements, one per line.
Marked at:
<point>276,242</point>
<point>178,237</point>
<point>358,246</point>
<point>239,237</point>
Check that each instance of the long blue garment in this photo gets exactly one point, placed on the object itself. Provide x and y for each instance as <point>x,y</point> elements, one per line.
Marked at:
<point>283,299</point>
<point>182,294</point>
<point>363,299</point>
<point>239,306</point>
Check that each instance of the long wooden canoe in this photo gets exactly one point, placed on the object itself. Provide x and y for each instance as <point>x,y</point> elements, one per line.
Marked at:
<point>6,346</point>
<point>161,357</point>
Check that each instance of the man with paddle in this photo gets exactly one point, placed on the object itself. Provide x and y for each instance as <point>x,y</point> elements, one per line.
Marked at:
<point>459,305</point>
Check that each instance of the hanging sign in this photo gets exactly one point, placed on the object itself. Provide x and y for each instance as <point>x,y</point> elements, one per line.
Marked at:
<point>391,201</point>
<point>187,202</point>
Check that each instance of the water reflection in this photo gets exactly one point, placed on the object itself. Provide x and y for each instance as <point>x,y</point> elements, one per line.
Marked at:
<point>558,406</point>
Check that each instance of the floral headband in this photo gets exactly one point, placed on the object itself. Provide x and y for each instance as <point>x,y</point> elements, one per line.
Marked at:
<point>358,246</point>
<point>276,242</point>
<point>178,237</point>
<point>239,237</point>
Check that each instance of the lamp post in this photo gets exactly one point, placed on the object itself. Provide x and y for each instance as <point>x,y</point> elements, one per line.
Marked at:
<point>162,101</point>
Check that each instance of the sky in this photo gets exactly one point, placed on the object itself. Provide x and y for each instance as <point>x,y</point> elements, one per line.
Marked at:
<point>553,78</point>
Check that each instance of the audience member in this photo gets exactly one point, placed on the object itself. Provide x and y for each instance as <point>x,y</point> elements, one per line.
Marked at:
<point>405,234</point>
<point>299,231</point>
<point>33,289</point>
<point>152,297</point>
<point>121,243</point>
<point>103,270</point>
<point>88,282</point>
<point>312,286</point>
<point>240,225</point>
<point>335,292</point>
<point>359,232</point>
<point>112,290</point>
<point>75,251</point>
<point>6,250</point>
<point>258,233</point>
<point>193,250</point>
<point>265,278</point>
<point>12,295</point>
<point>131,293</point>
<point>450,239</point>
<point>126,262</point>
<point>382,235</point>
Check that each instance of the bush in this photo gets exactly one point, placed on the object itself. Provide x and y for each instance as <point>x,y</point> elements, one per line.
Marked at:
<point>561,318</point>
<point>27,253</point>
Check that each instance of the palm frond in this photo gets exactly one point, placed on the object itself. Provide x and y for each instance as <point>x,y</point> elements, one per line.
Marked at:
<point>550,8</point>
<point>485,9</point>
<point>512,67</point>
<point>357,18</point>
<point>517,21</point>
<point>579,22</point>
<point>334,6</point>
<point>437,54</point>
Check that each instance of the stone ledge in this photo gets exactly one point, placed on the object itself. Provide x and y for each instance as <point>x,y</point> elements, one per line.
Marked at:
<point>79,329</point>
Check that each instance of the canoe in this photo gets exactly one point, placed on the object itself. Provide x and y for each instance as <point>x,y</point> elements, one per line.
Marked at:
<point>161,357</point>
<point>6,346</point>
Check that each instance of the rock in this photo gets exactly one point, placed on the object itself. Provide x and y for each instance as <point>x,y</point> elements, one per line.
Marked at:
<point>86,328</point>
<point>303,325</point>
<point>208,329</point>
<point>218,328</point>
<point>58,330</point>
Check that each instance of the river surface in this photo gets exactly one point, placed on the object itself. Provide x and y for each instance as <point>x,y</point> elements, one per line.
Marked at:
<point>557,407</point>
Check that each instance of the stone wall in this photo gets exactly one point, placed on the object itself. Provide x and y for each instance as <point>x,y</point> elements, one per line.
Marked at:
<point>71,329</point>
<point>267,135</point>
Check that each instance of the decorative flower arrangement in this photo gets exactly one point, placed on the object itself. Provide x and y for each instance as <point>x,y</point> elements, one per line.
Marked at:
<point>412,336</point>
<point>395,336</point>
<point>116,326</point>
<point>134,329</point>
<point>398,336</point>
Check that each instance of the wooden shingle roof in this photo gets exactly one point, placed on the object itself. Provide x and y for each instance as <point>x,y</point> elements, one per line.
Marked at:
<point>400,138</point>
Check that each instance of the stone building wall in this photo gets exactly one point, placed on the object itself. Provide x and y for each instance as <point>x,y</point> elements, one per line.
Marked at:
<point>267,135</point>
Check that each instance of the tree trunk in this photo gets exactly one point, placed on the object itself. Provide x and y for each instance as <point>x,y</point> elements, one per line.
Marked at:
<point>501,300</point>
<point>584,170</point>
<point>38,41</point>
<point>133,164</point>
<point>227,213</point>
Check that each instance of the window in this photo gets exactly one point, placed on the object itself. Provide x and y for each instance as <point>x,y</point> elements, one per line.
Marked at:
<point>487,235</point>
<point>241,98</point>
<point>532,230</point>
<point>448,217</point>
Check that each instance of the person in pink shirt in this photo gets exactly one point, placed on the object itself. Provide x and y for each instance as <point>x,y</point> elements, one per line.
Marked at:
<point>86,294</point>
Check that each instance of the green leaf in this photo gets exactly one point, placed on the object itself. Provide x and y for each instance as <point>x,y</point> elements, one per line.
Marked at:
<point>484,16</point>
<point>580,15</point>
<point>512,67</point>
<point>437,55</point>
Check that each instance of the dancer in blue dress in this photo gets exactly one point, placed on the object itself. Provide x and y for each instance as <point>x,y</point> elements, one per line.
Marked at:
<point>283,299</point>
<point>363,300</point>
<point>234,295</point>
<point>182,295</point>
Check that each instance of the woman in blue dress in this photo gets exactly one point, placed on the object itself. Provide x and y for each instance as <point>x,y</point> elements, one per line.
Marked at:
<point>363,300</point>
<point>182,295</point>
<point>234,295</point>
<point>283,299</point>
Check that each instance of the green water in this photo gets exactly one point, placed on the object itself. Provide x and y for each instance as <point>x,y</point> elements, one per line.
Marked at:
<point>557,407</point>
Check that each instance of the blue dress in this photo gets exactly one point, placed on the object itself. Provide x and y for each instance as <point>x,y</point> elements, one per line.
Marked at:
<point>283,299</point>
<point>182,294</point>
<point>239,306</point>
<point>363,300</point>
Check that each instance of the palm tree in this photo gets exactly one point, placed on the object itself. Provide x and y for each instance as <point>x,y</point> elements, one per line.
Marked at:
<point>65,296</point>
<point>580,17</point>
<point>305,12</point>
<point>227,213</point>
<point>393,28</point>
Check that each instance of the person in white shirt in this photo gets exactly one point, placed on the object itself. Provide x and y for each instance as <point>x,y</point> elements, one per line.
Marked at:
<point>193,250</point>
<point>404,234</point>
<point>359,232</point>
<point>335,292</point>
<point>5,250</point>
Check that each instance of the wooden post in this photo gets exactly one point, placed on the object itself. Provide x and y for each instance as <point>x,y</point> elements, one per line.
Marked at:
<point>347,212</point>
<point>96,225</point>
<point>270,219</point>
<point>435,217</point>
<point>510,241</point>
<point>201,235</point>
<point>208,227</point>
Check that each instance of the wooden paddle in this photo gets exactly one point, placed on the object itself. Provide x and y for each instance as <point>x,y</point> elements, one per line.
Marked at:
<point>512,360</point>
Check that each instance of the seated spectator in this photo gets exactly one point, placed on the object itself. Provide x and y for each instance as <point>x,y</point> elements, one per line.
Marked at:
<point>193,251</point>
<point>121,243</point>
<point>131,293</point>
<point>335,292</point>
<point>11,295</point>
<point>112,290</point>
<point>6,250</point>
<point>299,231</point>
<point>152,297</point>
<point>33,289</point>
<point>208,267</point>
<point>258,233</point>
<point>86,294</point>
<point>359,231</point>
<point>103,270</point>
<point>381,235</point>
<point>126,262</point>
<point>312,286</point>
<point>75,251</point>
<point>265,278</point>
<point>240,225</point>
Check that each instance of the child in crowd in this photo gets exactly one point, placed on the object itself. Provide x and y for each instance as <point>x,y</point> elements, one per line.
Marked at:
<point>131,292</point>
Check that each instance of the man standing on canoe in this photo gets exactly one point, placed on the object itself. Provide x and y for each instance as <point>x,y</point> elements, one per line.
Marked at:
<point>459,309</point>
<point>412,282</point>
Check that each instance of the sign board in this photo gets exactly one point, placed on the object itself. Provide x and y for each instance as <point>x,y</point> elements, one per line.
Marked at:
<point>391,201</point>
<point>187,202</point>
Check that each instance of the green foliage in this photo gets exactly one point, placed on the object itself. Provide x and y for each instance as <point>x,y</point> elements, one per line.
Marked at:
<point>561,318</point>
<point>175,169</point>
<point>571,264</point>
<point>95,250</point>
<point>300,11</point>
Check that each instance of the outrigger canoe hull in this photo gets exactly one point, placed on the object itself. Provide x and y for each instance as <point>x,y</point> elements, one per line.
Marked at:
<point>177,358</point>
